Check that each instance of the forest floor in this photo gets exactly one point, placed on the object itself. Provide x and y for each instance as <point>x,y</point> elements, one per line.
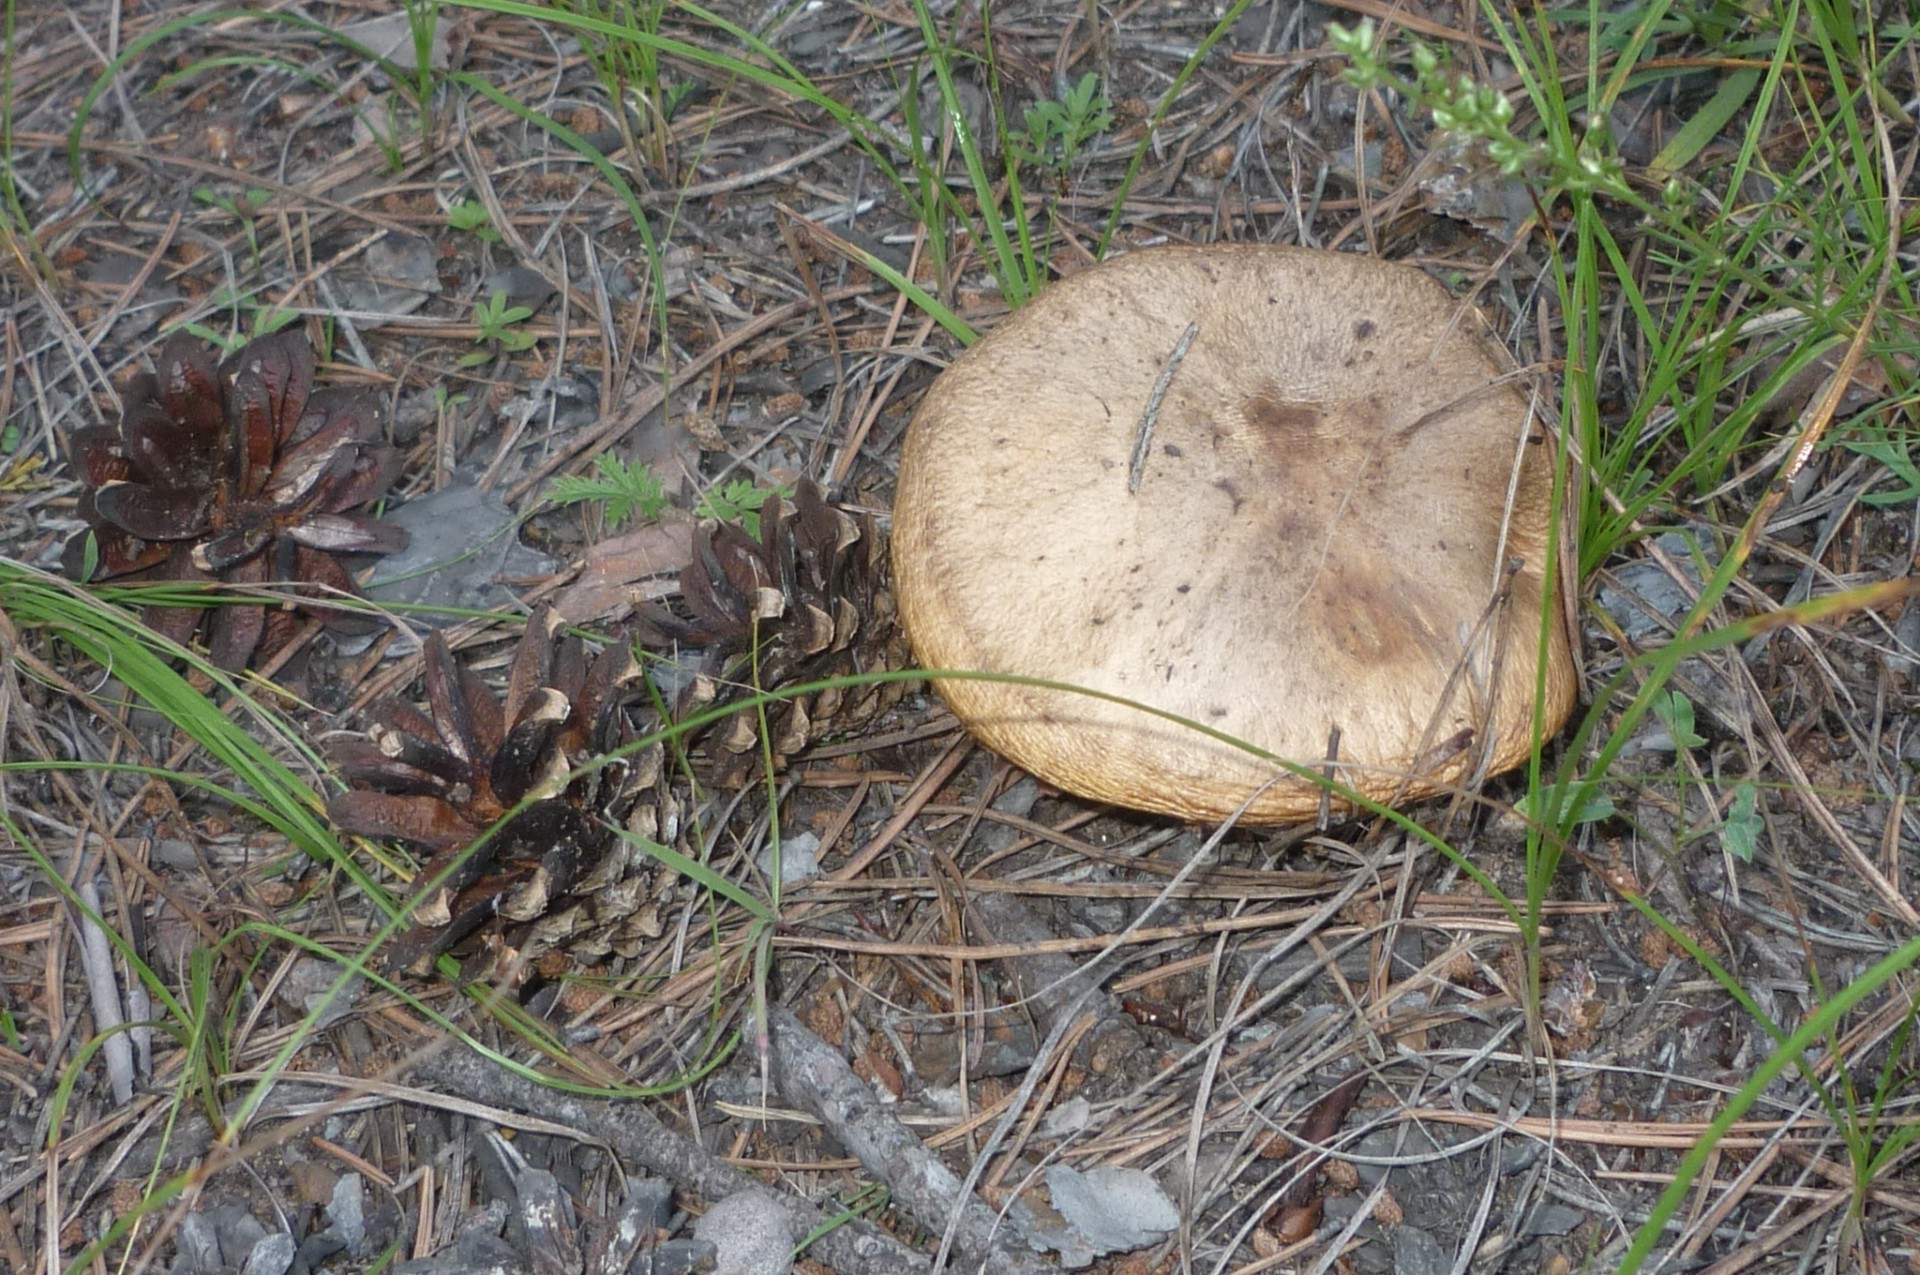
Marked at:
<point>726,252</point>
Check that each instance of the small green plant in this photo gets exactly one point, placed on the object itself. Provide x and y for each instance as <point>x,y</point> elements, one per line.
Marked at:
<point>663,104</point>
<point>739,501</point>
<point>1895,451</point>
<point>252,320</point>
<point>499,325</point>
<point>89,557</point>
<point>630,491</point>
<point>1577,802</point>
<point>1675,712</point>
<point>471,215</point>
<point>241,210</point>
<point>629,66</point>
<point>423,23</point>
<point>1475,111</point>
<point>1056,131</point>
<point>626,490</point>
<point>1741,831</point>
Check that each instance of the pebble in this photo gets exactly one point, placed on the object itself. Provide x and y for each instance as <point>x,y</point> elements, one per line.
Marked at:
<point>751,1232</point>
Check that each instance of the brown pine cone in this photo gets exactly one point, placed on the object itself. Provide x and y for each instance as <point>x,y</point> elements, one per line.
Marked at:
<point>238,472</point>
<point>440,776</point>
<point>803,603</point>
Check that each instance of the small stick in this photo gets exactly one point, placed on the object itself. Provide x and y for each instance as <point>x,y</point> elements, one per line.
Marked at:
<point>1326,793</point>
<point>1151,417</point>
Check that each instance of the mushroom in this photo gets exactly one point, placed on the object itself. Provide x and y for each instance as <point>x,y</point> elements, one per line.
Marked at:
<point>1297,497</point>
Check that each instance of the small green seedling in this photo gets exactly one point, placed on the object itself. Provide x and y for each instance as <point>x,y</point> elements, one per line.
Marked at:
<point>1740,834</point>
<point>89,557</point>
<point>626,490</point>
<point>630,491</point>
<point>1675,712</point>
<point>1570,805</point>
<point>498,323</point>
<point>1057,130</point>
<point>261,320</point>
<point>241,210</point>
<point>1895,451</point>
<point>739,501</point>
<point>472,216</point>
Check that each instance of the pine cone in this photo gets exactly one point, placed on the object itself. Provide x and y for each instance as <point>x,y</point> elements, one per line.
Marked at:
<point>439,777</point>
<point>237,472</point>
<point>809,593</point>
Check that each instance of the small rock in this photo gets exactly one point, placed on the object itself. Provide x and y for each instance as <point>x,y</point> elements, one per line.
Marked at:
<point>1416,1252</point>
<point>238,1230</point>
<point>196,1246</point>
<point>520,285</point>
<point>799,859</point>
<point>271,1256</point>
<point>652,1199</point>
<point>751,1234</point>
<point>1107,1209</point>
<point>1554,1219</point>
<point>313,983</point>
<point>347,1211</point>
<point>686,1257</point>
<point>394,277</point>
<point>1067,1118</point>
<point>463,554</point>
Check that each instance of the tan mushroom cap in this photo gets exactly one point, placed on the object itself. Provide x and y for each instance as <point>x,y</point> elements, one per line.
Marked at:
<point>1340,528</point>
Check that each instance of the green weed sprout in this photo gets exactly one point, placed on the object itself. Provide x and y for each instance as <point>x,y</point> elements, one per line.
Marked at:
<point>630,491</point>
<point>1056,131</point>
<point>471,215</point>
<point>624,490</point>
<point>499,325</point>
<point>1471,111</point>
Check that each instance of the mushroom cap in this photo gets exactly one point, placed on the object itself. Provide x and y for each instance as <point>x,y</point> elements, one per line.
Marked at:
<point>1339,536</point>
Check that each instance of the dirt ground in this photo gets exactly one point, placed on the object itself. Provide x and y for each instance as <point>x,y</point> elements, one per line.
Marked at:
<point>1314,1045</point>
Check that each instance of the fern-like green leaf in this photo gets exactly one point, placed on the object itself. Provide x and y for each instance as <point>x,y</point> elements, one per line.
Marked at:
<point>626,490</point>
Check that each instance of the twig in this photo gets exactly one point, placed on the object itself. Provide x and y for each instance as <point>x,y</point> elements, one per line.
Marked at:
<point>96,958</point>
<point>1143,441</point>
<point>854,1247</point>
<point>814,1077</point>
<point>1326,793</point>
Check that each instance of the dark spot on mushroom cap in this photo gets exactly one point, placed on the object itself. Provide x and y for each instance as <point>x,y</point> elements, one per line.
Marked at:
<point>1373,613</point>
<point>1363,329</point>
<point>1271,415</point>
